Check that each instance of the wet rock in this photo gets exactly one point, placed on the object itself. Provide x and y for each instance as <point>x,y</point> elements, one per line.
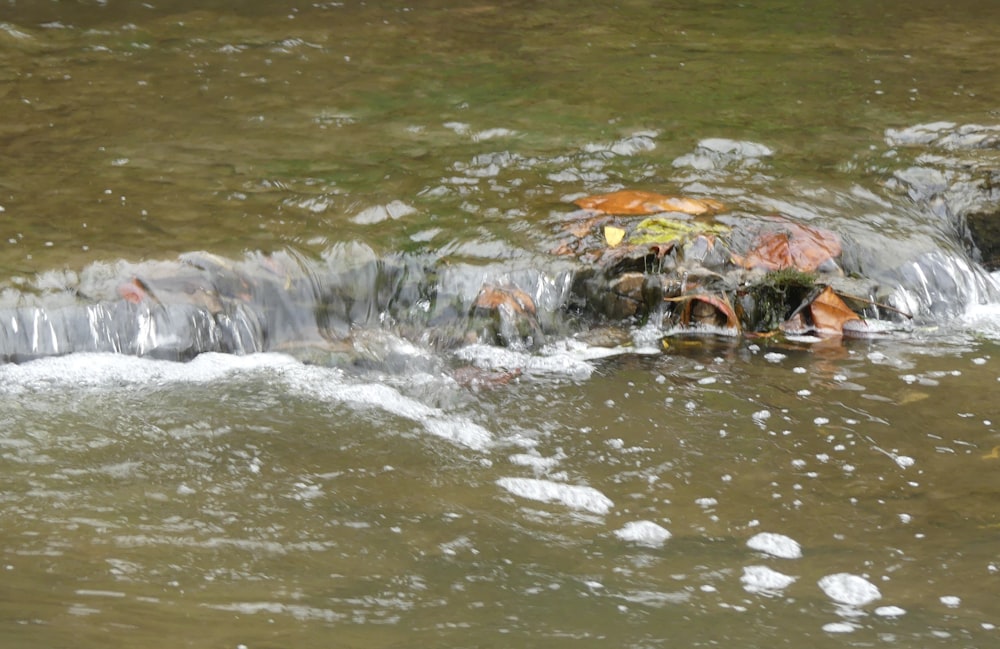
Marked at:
<point>984,230</point>
<point>605,336</point>
<point>956,176</point>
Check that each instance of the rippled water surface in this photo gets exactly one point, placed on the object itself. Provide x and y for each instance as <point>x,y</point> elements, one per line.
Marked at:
<point>713,491</point>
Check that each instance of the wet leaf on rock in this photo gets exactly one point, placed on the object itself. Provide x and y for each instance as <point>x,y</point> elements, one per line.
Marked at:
<point>827,313</point>
<point>667,231</point>
<point>631,202</point>
<point>793,246</point>
<point>830,313</point>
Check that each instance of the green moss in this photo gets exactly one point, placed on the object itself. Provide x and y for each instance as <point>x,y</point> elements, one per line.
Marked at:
<point>789,278</point>
<point>765,304</point>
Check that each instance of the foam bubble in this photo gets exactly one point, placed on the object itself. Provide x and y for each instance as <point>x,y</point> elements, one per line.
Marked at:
<point>765,581</point>
<point>839,627</point>
<point>849,589</point>
<point>776,545</point>
<point>951,601</point>
<point>88,371</point>
<point>97,370</point>
<point>572,496</point>
<point>645,533</point>
<point>890,611</point>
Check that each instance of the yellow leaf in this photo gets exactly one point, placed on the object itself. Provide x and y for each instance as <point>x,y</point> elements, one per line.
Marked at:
<point>613,235</point>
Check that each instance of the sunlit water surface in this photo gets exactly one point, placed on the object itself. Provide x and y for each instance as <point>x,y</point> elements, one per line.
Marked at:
<point>716,492</point>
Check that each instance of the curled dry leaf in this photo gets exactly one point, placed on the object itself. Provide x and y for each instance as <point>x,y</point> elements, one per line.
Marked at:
<point>793,246</point>
<point>635,202</point>
<point>707,309</point>
<point>826,314</point>
<point>830,313</point>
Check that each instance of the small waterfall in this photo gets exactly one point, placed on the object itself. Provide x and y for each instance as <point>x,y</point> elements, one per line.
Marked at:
<point>911,248</point>
<point>279,302</point>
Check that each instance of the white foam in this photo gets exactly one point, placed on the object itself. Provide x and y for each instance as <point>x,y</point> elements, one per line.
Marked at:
<point>323,384</point>
<point>849,589</point>
<point>645,533</point>
<point>839,627</point>
<point>776,545</point>
<point>377,213</point>
<point>890,611</point>
<point>984,319</point>
<point>316,382</point>
<point>97,370</point>
<point>567,358</point>
<point>765,581</point>
<point>535,461</point>
<point>572,496</point>
<point>951,601</point>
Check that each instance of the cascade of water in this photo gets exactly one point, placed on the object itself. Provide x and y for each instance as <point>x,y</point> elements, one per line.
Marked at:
<point>913,255</point>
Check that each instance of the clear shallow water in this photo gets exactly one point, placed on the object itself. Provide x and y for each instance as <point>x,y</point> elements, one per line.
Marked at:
<point>278,503</point>
<point>258,501</point>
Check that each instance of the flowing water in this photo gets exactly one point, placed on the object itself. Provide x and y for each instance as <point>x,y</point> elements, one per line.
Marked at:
<point>381,478</point>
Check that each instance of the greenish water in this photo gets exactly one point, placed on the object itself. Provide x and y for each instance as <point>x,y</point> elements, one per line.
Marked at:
<point>256,501</point>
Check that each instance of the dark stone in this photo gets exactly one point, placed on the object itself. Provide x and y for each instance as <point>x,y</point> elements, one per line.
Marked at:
<point>984,230</point>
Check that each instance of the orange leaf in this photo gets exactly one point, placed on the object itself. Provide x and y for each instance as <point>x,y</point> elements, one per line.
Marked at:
<point>132,291</point>
<point>830,313</point>
<point>794,246</point>
<point>632,202</point>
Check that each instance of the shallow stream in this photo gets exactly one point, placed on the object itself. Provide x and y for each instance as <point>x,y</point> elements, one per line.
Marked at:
<point>716,491</point>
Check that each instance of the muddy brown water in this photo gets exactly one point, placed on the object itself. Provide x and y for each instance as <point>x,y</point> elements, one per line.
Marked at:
<point>256,501</point>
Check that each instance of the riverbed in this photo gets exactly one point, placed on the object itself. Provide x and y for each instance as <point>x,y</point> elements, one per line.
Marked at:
<point>727,491</point>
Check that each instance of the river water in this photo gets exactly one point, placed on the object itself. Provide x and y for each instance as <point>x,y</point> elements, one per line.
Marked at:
<point>717,491</point>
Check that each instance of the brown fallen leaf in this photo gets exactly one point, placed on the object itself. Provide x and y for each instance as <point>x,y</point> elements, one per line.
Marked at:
<point>826,314</point>
<point>634,202</point>
<point>793,246</point>
<point>830,313</point>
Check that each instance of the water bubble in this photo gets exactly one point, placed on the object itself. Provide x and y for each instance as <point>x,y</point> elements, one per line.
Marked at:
<point>645,533</point>
<point>764,580</point>
<point>849,589</point>
<point>890,611</point>
<point>776,545</point>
